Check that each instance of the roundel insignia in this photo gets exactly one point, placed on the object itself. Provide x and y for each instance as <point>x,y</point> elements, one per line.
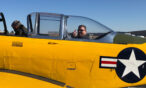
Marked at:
<point>130,64</point>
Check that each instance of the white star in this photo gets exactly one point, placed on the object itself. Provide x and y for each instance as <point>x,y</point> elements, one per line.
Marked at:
<point>131,65</point>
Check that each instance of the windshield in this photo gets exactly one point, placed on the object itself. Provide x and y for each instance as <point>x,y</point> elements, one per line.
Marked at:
<point>3,29</point>
<point>93,30</point>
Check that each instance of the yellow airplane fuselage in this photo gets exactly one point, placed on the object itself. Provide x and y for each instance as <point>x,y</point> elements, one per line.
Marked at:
<point>77,64</point>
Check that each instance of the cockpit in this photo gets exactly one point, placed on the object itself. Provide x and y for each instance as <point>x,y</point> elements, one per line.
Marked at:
<point>67,27</point>
<point>59,26</point>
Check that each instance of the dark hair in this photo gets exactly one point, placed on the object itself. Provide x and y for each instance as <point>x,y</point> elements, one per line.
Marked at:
<point>81,26</point>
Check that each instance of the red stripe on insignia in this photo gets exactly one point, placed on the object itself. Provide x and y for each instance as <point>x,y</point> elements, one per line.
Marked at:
<point>108,62</point>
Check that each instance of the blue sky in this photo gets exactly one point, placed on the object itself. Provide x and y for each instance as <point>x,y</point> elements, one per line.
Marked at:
<point>119,15</point>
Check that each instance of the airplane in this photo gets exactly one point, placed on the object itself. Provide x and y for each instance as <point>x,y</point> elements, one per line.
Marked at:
<point>49,57</point>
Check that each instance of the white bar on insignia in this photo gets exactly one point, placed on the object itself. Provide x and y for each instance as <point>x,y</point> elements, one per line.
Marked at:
<point>108,65</point>
<point>109,59</point>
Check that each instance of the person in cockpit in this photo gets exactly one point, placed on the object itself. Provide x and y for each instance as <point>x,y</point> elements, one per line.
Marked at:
<point>19,28</point>
<point>82,32</point>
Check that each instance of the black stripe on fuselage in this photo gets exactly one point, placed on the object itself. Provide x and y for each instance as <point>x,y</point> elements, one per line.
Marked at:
<point>34,76</point>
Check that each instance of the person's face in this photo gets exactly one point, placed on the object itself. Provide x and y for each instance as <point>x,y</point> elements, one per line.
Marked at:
<point>82,31</point>
<point>15,27</point>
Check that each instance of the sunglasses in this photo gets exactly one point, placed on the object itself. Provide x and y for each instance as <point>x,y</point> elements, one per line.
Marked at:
<point>80,30</point>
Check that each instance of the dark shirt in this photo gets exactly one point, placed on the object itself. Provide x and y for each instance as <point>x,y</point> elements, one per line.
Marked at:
<point>83,37</point>
<point>79,37</point>
<point>22,31</point>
